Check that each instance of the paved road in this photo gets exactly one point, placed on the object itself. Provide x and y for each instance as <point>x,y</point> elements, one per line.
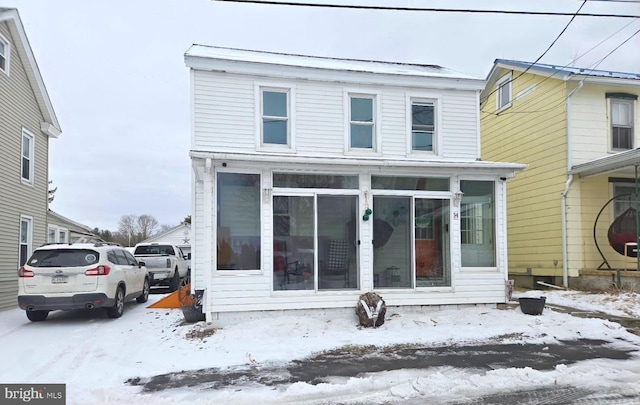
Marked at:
<point>353,361</point>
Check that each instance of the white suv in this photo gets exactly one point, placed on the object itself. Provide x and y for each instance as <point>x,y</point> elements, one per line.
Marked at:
<point>80,275</point>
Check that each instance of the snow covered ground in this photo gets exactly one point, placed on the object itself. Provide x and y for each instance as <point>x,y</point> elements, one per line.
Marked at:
<point>95,356</point>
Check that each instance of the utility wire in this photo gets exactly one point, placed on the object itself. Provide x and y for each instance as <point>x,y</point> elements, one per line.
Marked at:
<point>560,69</point>
<point>443,10</point>
<point>586,74</point>
<point>543,53</point>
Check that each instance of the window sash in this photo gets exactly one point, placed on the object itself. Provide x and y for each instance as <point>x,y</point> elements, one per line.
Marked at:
<point>422,125</point>
<point>361,122</point>
<point>3,57</point>
<point>504,94</point>
<point>275,117</point>
<point>27,157</point>
<point>25,240</point>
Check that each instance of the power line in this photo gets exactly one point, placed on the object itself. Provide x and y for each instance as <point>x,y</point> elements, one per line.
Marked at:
<point>543,53</point>
<point>586,73</point>
<point>442,10</point>
<point>560,69</point>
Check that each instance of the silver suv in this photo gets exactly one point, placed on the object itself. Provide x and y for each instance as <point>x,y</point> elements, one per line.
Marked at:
<point>80,275</point>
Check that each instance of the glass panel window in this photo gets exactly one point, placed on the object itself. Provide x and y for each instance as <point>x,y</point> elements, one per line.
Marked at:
<point>238,221</point>
<point>25,240</point>
<point>27,157</point>
<point>477,223</point>
<point>410,183</point>
<point>503,92</point>
<point>275,117</point>
<point>621,124</point>
<point>392,242</point>
<point>293,243</point>
<point>422,125</point>
<point>292,180</point>
<point>51,236</point>
<point>63,236</point>
<point>361,120</point>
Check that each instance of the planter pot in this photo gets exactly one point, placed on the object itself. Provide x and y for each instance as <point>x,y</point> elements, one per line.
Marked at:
<point>192,314</point>
<point>532,306</point>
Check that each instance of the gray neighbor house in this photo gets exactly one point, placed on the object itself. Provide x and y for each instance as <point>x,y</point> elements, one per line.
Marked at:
<point>27,122</point>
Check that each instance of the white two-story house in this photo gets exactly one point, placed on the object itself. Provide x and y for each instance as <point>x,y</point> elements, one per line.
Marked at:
<point>318,179</point>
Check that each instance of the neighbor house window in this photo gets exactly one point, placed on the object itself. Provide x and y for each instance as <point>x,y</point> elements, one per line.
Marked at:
<point>4,54</point>
<point>422,125</point>
<point>477,223</point>
<point>622,123</point>
<point>362,122</point>
<point>239,222</point>
<point>57,234</point>
<point>26,237</point>
<point>275,117</point>
<point>27,157</point>
<point>503,92</point>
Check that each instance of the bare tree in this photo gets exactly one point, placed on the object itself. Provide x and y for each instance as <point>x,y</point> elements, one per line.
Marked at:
<point>134,229</point>
<point>146,226</point>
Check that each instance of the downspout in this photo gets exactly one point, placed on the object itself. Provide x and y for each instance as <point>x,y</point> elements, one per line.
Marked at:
<point>565,192</point>
<point>208,237</point>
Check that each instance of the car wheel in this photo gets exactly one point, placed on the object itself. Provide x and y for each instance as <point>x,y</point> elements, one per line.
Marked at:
<point>37,316</point>
<point>175,281</point>
<point>145,292</point>
<point>118,307</point>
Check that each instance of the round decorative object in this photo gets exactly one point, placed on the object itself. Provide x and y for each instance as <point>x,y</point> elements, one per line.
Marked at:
<point>368,211</point>
<point>365,217</point>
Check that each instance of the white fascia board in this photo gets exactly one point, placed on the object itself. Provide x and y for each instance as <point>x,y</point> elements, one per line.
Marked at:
<point>443,165</point>
<point>616,81</point>
<point>49,130</point>
<point>331,75</point>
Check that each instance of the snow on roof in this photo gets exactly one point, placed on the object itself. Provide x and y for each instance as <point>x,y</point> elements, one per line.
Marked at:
<point>568,70</point>
<point>307,61</point>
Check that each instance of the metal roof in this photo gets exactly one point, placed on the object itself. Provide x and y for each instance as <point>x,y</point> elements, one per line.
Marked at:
<point>568,70</point>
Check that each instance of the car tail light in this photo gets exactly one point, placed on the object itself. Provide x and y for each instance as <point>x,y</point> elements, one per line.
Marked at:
<point>22,272</point>
<point>98,271</point>
<point>168,263</point>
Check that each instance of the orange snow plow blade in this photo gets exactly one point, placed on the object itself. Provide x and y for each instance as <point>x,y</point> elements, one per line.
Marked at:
<point>177,299</point>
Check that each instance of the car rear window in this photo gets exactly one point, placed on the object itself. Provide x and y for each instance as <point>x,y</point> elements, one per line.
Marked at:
<point>154,250</point>
<point>64,258</point>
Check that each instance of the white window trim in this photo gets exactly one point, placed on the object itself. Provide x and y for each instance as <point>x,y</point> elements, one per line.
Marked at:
<point>57,230</point>
<point>504,79</point>
<point>436,99</point>
<point>29,220</point>
<point>610,148</point>
<point>377,121</point>
<point>7,55</point>
<point>32,137</point>
<point>496,228</point>
<point>290,89</point>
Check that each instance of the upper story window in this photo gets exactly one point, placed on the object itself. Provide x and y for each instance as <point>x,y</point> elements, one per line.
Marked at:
<point>622,123</point>
<point>423,126</point>
<point>27,157</point>
<point>4,55</point>
<point>362,122</point>
<point>275,117</point>
<point>503,92</point>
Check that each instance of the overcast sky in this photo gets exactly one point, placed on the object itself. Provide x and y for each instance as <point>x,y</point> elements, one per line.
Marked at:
<point>116,76</point>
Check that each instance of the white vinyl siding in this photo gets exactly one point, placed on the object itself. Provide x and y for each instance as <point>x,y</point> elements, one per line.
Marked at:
<point>225,110</point>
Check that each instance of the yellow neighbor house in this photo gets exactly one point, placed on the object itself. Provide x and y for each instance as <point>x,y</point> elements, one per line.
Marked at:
<point>577,131</point>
